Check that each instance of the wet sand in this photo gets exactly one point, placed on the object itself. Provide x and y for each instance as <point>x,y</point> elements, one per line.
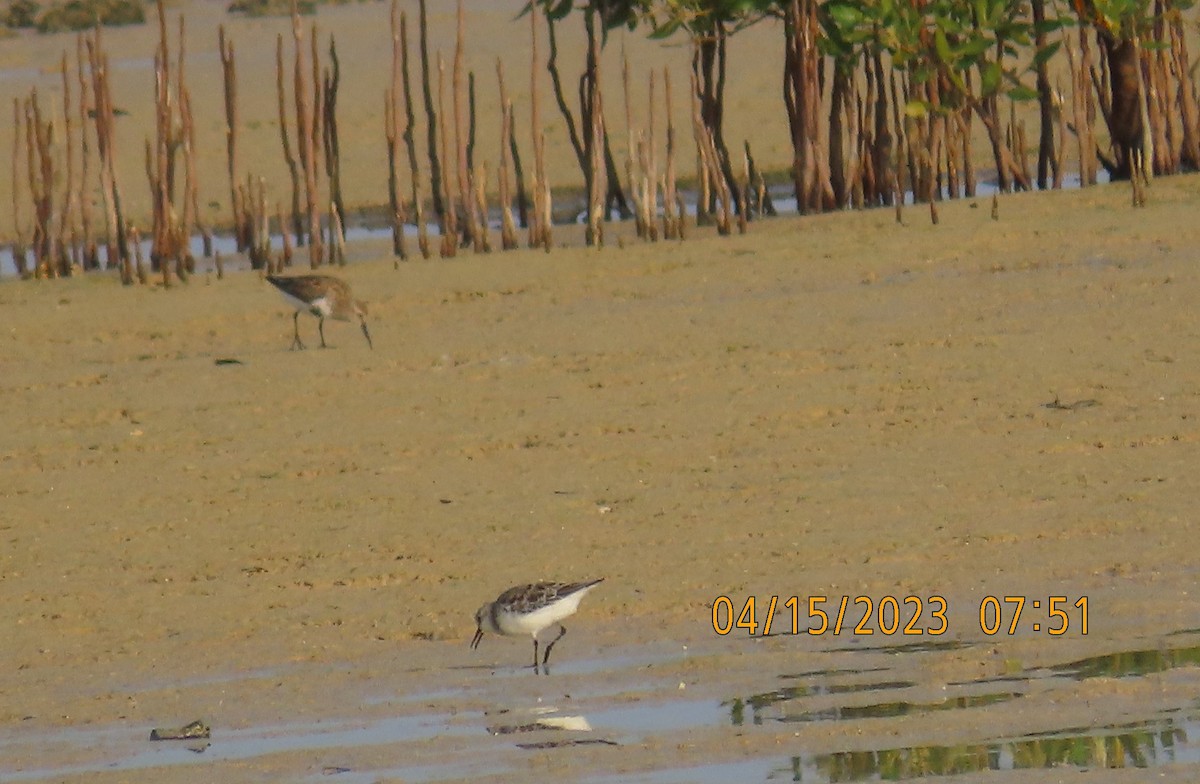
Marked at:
<point>829,406</point>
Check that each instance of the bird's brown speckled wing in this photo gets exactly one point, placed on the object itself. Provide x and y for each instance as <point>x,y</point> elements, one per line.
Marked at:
<point>311,287</point>
<point>534,596</point>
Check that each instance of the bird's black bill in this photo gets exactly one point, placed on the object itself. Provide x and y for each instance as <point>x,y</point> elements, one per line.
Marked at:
<point>478,636</point>
<point>367,335</point>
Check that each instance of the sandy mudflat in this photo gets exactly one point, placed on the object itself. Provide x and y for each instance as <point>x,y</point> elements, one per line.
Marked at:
<point>827,406</point>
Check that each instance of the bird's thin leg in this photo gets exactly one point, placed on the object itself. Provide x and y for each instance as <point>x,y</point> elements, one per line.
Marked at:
<point>366,334</point>
<point>321,329</point>
<point>296,325</point>
<point>535,660</point>
<point>561,631</point>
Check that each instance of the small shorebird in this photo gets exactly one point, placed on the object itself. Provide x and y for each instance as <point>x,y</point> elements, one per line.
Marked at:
<point>323,296</point>
<point>527,609</point>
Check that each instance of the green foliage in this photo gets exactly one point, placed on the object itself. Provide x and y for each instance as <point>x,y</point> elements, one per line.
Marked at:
<point>947,38</point>
<point>271,7</point>
<point>705,17</point>
<point>986,40</point>
<point>1128,19</point>
<point>612,13</point>
<point>665,17</point>
<point>22,13</point>
<point>1121,16</point>
<point>84,14</point>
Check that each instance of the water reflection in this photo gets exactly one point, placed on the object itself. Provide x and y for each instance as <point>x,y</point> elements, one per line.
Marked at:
<point>1129,663</point>
<point>1165,737</point>
<point>772,706</point>
<point>1142,745</point>
<point>924,646</point>
<point>801,704</point>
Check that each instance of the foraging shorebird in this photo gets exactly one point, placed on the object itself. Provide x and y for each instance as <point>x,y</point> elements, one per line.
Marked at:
<point>527,609</point>
<point>323,296</point>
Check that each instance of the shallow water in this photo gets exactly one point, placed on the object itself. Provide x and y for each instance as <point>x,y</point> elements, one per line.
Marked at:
<point>625,710</point>
<point>1156,741</point>
<point>121,749</point>
<point>227,246</point>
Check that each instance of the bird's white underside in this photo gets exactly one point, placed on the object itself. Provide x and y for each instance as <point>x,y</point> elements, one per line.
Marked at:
<point>317,306</point>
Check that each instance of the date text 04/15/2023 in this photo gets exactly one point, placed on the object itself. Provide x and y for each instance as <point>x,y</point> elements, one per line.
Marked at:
<point>889,615</point>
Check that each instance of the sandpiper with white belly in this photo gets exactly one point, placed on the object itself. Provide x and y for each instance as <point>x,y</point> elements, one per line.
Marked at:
<point>528,609</point>
<point>324,296</point>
